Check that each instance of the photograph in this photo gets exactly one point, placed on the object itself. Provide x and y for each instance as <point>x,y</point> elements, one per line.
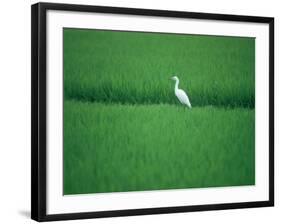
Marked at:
<point>146,111</point>
<point>139,111</point>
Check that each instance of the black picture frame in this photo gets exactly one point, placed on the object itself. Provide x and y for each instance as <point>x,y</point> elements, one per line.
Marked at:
<point>39,122</point>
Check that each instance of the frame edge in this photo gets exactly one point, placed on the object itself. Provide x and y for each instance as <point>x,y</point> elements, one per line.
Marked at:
<point>154,12</point>
<point>271,111</point>
<point>34,113</point>
<point>38,112</point>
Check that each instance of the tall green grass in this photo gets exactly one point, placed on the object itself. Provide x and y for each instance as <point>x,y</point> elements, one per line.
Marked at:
<point>113,147</point>
<point>124,129</point>
<point>133,67</point>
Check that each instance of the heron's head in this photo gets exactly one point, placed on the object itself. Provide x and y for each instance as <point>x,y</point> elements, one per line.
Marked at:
<point>174,78</point>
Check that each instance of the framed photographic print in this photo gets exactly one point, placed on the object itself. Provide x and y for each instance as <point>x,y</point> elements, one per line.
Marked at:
<point>139,111</point>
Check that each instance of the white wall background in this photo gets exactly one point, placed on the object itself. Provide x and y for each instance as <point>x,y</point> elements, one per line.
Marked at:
<point>15,110</point>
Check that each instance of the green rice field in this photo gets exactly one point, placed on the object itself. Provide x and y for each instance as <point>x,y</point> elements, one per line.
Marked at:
<point>125,130</point>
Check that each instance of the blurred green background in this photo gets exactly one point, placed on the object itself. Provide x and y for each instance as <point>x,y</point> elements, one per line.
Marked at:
<point>124,129</point>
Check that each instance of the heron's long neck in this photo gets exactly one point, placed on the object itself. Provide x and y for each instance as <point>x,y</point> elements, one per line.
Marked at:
<point>177,85</point>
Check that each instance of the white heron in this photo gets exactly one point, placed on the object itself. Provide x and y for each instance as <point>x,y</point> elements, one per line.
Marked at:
<point>180,94</point>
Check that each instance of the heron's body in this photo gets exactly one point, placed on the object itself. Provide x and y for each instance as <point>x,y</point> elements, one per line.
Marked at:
<point>180,94</point>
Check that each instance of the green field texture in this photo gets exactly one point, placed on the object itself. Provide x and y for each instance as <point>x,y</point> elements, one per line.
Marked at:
<point>125,130</point>
<point>152,147</point>
<point>135,67</point>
